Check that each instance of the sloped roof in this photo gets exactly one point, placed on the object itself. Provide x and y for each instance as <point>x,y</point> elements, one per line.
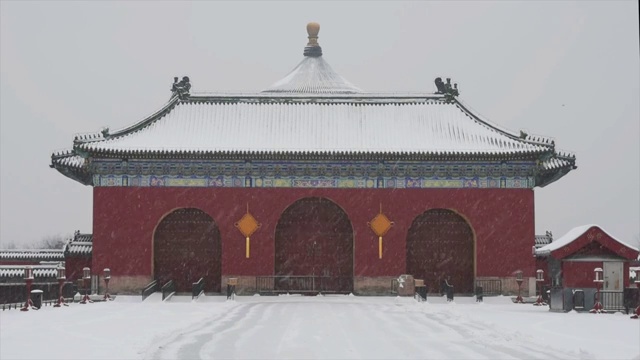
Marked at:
<point>393,124</point>
<point>542,240</point>
<point>39,271</point>
<point>314,113</point>
<point>577,233</point>
<point>80,244</point>
<point>31,254</point>
<point>313,75</point>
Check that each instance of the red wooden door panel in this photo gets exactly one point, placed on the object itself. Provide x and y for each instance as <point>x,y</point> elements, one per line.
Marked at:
<point>186,248</point>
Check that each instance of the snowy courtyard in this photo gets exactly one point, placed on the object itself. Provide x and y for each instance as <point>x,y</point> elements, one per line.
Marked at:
<point>320,327</point>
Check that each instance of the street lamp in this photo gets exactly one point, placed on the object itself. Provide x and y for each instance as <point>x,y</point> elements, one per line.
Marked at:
<point>597,307</point>
<point>28,278</point>
<point>61,278</point>
<point>539,280</point>
<point>86,276</point>
<point>519,299</point>
<point>107,277</point>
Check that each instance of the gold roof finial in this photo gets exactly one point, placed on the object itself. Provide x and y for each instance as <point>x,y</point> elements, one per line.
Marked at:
<point>312,29</point>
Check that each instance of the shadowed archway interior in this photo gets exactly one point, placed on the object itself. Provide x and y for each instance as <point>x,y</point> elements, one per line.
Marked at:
<point>440,245</point>
<point>314,237</point>
<point>186,247</point>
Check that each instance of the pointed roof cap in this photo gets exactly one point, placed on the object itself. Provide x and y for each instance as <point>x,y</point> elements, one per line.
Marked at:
<point>313,75</point>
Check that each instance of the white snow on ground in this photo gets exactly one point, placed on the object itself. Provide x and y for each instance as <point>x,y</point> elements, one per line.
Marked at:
<point>321,327</point>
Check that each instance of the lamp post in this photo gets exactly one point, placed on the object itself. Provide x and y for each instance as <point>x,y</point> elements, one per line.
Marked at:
<point>519,299</point>
<point>598,280</point>
<point>107,277</point>
<point>86,276</point>
<point>61,278</point>
<point>28,278</point>
<point>539,280</point>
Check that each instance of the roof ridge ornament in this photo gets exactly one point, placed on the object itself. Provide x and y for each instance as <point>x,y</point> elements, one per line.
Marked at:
<point>181,88</point>
<point>313,48</point>
<point>449,91</point>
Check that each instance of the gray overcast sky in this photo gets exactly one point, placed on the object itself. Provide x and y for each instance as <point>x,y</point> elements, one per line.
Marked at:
<point>568,70</point>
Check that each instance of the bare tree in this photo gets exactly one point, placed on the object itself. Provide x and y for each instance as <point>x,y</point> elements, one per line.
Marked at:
<point>51,242</point>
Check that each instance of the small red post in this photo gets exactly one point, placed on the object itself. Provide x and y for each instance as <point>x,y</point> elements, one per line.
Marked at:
<point>539,280</point>
<point>519,299</point>
<point>28,277</point>
<point>61,278</point>
<point>597,307</point>
<point>86,277</point>
<point>107,277</point>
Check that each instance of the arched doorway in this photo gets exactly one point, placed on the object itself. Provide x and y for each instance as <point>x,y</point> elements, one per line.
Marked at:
<point>186,247</point>
<point>314,238</point>
<point>440,244</point>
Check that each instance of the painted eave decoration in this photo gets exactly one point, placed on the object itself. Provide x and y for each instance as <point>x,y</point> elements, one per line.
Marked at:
<point>581,236</point>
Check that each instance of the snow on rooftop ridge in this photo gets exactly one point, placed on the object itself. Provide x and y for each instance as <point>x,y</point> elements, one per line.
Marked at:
<point>571,236</point>
<point>313,75</point>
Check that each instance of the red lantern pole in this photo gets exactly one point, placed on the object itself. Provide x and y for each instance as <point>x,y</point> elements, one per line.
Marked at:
<point>85,278</point>
<point>519,299</point>
<point>107,277</point>
<point>28,277</point>
<point>539,280</point>
<point>597,307</point>
<point>61,279</point>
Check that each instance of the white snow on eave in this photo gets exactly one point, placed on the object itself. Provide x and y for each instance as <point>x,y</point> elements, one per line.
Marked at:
<point>571,236</point>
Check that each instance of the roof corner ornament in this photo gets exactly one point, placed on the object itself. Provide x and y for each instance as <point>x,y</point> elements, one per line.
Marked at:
<point>445,88</point>
<point>181,88</point>
<point>105,132</point>
<point>313,49</point>
<point>523,135</point>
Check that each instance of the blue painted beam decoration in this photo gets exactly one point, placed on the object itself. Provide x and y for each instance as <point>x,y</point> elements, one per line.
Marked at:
<point>310,174</point>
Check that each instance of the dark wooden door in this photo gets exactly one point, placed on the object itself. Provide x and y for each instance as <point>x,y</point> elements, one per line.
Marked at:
<point>440,245</point>
<point>314,237</point>
<point>186,248</point>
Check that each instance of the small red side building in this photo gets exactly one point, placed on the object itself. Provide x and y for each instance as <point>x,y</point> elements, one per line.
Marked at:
<point>571,261</point>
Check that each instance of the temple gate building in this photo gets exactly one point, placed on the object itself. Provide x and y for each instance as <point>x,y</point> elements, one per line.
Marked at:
<point>313,179</point>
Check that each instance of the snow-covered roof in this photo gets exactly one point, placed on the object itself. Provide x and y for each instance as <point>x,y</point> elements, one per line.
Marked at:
<point>80,244</point>
<point>573,235</point>
<point>39,271</point>
<point>313,75</point>
<point>542,240</point>
<point>314,113</point>
<point>32,254</point>
<point>397,125</point>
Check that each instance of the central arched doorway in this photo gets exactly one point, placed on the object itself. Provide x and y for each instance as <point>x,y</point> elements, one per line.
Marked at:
<point>186,247</point>
<point>440,244</point>
<point>314,238</point>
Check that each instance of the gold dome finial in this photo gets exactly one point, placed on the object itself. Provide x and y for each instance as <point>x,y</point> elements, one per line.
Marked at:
<point>312,29</point>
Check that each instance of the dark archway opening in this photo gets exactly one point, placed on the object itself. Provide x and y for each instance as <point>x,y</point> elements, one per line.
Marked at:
<point>439,245</point>
<point>186,247</point>
<point>314,238</point>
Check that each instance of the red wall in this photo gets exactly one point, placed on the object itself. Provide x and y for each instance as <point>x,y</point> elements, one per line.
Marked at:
<point>74,266</point>
<point>125,219</point>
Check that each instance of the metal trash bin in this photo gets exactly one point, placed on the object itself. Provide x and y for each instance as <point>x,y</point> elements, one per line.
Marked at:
<point>578,299</point>
<point>36,298</point>
<point>231,287</point>
<point>479,294</point>
<point>421,289</point>
<point>450,293</point>
<point>631,299</point>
